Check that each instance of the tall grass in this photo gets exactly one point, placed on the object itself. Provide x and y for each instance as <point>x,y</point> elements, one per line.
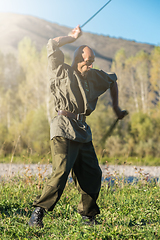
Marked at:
<point>128,211</point>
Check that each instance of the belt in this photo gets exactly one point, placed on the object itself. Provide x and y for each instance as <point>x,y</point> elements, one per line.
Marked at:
<point>80,117</point>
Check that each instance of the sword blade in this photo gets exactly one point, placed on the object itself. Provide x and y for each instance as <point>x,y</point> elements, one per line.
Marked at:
<point>94,14</point>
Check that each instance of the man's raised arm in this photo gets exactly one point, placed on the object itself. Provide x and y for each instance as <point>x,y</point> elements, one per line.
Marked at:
<point>72,36</point>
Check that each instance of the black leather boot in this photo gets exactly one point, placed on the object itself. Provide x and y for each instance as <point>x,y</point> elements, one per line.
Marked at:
<point>36,217</point>
<point>90,220</point>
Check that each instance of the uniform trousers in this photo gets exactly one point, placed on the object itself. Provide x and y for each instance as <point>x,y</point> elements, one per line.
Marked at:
<point>79,159</point>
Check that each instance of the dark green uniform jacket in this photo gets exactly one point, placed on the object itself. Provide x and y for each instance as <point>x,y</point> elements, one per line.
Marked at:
<point>71,92</point>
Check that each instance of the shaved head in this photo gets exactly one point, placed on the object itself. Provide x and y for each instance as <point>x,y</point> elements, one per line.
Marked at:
<point>80,51</point>
<point>83,59</point>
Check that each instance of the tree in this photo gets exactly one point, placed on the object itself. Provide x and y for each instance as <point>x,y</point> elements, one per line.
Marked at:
<point>33,90</point>
<point>132,90</point>
<point>118,66</point>
<point>133,80</point>
<point>1,84</point>
<point>141,65</point>
<point>155,70</point>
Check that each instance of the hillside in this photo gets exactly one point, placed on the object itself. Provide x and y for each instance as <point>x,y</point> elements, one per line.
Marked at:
<point>14,27</point>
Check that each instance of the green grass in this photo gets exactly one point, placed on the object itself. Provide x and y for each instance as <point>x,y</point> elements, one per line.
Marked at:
<point>127,212</point>
<point>24,159</point>
<point>147,161</point>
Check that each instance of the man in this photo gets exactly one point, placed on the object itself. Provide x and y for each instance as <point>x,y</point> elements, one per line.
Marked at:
<point>75,90</point>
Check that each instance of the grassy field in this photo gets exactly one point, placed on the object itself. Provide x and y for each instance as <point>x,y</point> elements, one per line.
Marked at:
<point>128,211</point>
<point>147,161</point>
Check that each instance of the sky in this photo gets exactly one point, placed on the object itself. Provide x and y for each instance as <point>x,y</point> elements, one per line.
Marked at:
<point>137,20</point>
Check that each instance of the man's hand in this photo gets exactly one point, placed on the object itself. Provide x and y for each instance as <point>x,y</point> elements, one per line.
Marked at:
<point>72,36</point>
<point>76,32</point>
<point>120,114</point>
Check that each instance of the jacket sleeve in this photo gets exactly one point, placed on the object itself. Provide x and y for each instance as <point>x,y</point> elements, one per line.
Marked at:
<point>106,79</point>
<point>54,54</point>
<point>100,81</point>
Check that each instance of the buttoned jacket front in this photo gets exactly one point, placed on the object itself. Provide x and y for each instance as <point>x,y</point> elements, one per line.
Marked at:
<point>71,92</point>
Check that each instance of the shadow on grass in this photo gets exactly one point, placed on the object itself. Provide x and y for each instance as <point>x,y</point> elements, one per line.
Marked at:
<point>142,222</point>
<point>11,209</point>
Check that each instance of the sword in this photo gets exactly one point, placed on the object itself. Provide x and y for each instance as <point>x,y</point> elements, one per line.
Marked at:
<point>94,14</point>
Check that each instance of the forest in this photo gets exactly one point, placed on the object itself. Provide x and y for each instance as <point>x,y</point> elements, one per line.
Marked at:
<point>24,105</point>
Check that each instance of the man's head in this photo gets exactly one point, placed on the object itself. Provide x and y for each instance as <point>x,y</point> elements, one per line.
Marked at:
<point>83,59</point>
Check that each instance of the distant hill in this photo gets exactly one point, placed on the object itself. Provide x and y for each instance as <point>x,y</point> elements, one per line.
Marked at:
<point>14,27</point>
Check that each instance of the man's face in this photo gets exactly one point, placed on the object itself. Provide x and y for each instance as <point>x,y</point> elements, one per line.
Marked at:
<point>86,62</point>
